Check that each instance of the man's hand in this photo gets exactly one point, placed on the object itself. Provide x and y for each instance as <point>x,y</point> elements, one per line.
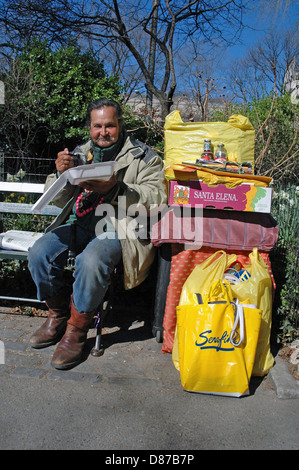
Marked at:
<point>64,161</point>
<point>99,186</point>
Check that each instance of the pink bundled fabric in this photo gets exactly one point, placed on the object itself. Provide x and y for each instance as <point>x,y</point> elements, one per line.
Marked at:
<point>226,230</point>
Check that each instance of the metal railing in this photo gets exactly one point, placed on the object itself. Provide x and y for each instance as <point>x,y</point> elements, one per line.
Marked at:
<point>25,169</point>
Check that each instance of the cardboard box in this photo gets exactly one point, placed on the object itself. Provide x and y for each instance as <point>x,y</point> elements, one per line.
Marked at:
<point>245,197</point>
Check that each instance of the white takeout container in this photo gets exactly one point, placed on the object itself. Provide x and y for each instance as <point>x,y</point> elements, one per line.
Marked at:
<point>97,171</point>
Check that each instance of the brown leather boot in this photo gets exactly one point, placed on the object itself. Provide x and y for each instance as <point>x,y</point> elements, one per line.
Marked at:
<point>54,327</point>
<point>69,351</point>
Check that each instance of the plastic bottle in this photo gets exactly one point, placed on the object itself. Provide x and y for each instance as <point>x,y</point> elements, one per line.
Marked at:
<point>220,155</point>
<point>207,150</point>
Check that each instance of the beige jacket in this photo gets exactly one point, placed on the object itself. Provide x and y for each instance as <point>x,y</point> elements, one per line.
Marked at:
<point>140,173</point>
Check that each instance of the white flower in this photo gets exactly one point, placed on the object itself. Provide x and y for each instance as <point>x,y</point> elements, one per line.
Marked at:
<point>21,173</point>
<point>284,195</point>
<point>10,177</point>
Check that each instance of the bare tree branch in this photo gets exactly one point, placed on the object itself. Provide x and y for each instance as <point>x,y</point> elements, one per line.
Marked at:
<point>118,22</point>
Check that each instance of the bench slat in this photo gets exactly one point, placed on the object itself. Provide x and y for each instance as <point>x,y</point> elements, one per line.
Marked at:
<point>13,187</point>
<point>19,208</point>
<point>13,254</point>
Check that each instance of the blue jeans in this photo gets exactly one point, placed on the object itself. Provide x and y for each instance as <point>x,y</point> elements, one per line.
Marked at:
<point>95,261</point>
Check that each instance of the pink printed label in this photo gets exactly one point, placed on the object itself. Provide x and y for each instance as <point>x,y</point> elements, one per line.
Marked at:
<point>245,197</point>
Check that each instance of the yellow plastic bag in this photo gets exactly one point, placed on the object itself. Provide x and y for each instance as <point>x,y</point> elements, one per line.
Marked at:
<point>204,275</point>
<point>258,290</point>
<point>217,343</point>
<point>184,140</point>
<point>200,281</point>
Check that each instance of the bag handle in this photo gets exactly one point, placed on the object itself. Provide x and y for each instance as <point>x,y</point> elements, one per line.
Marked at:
<point>229,258</point>
<point>225,289</point>
<point>227,295</point>
<point>211,258</point>
<point>239,318</point>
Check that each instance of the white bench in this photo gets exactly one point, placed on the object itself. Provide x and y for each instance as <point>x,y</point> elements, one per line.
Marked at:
<point>21,208</point>
<point>163,265</point>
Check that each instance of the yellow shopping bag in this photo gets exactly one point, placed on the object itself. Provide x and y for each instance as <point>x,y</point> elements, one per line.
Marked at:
<point>199,283</point>
<point>217,343</point>
<point>257,289</point>
<point>204,275</point>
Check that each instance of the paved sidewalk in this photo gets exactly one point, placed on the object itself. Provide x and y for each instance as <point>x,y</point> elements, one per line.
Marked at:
<point>129,398</point>
<point>127,353</point>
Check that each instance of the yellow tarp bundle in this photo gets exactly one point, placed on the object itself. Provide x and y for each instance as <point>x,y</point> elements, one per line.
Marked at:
<point>184,140</point>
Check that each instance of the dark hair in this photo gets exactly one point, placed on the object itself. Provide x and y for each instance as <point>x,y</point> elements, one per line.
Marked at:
<point>99,104</point>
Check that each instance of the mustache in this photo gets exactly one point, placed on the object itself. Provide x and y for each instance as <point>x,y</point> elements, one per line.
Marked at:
<point>108,138</point>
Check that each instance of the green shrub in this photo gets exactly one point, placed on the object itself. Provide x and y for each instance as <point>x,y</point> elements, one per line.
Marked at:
<point>284,259</point>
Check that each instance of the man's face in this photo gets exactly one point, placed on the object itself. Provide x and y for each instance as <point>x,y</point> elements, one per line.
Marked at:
<point>104,126</point>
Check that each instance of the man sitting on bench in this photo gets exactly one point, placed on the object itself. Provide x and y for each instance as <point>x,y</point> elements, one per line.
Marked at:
<point>138,179</point>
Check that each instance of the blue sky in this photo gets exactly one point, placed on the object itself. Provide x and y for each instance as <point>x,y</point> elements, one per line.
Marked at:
<point>279,18</point>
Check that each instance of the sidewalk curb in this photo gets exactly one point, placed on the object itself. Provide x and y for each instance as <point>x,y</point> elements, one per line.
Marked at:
<point>285,384</point>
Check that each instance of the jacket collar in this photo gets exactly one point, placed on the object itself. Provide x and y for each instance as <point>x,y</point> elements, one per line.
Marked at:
<point>130,150</point>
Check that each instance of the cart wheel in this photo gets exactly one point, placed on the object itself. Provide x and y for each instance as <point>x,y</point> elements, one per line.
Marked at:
<point>159,336</point>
